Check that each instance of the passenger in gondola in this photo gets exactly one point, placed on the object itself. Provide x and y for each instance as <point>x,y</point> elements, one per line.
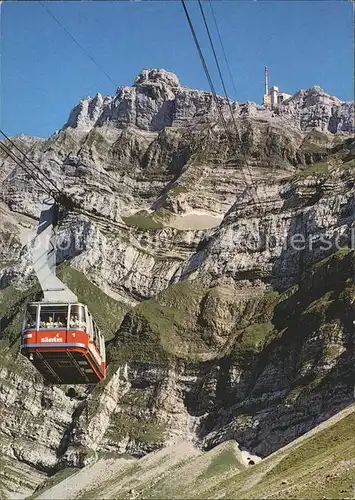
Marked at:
<point>74,322</point>
<point>49,323</point>
<point>59,323</point>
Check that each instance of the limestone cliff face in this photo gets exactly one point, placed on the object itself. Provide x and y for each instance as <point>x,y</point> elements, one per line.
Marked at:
<point>217,327</point>
<point>34,418</point>
<point>314,109</point>
<point>281,228</point>
<point>158,100</point>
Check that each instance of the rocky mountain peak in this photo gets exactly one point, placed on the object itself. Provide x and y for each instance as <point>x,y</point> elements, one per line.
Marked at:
<point>313,108</point>
<point>312,96</point>
<point>157,100</point>
<point>160,76</point>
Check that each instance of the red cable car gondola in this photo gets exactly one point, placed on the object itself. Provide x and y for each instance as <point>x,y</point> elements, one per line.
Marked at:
<point>59,335</point>
<point>64,343</point>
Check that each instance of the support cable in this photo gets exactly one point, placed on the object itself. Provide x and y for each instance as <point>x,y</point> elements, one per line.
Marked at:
<point>30,161</point>
<point>219,69</point>
<point>82,48</point>
<point>222,46</point>
<point>229,135</point>
<point>60,197</point>
<point>228,101</point>
<point>19,162</point>
<point>207,73</point>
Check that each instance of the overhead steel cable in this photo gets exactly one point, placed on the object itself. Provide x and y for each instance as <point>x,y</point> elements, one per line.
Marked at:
<point>229,135</point>
<point>218,68</point>
<point>48,178</point>
<point>228,101</point>
<point>30,161</point>
<point>20,163</point>
<point>223,49</point>
<point>60,197</point>
<point>207,73</point>
<point>82,48</point>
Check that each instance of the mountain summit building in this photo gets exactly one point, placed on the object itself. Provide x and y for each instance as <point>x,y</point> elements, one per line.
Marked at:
<point>273,97</point>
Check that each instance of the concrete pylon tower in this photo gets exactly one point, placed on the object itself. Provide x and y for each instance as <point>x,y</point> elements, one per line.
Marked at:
<point>266,98</point>
<point>266,80</point>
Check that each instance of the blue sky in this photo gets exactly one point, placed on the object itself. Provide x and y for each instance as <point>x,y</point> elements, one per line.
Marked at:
<point>44,74</point>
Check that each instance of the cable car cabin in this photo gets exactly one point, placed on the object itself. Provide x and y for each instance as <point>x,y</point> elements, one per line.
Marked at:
<point>63,342</point>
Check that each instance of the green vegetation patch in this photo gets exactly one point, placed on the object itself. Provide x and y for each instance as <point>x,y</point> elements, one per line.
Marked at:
<point>141,221</point>
<point>337,440</point>
<point>315,142</point>
<point>320,467</point>
<point>137,398</point>
<point>107,312</point>
<point>192,477</point>
<point>338,255</point>
<point>65,140</point>
<point>221,463</point>
<point>322,304</point>
<point>175,191</point>
<point>319,169</point>
<point>97,140</point>
<point>180,323</point>
<point>308,467</point>
<point>148,221</point>
<point>142,429</point>
<point>163,328</point>
<point>12,307</point>
<point>256,336</point>
<point>9,296</point>
<point>173,316</point>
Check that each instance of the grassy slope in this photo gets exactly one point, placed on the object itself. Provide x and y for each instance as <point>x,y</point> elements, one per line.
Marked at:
<point>173,325</point>
<point>320,465</point>
<point>12,307</point>
<point>17,480</point>
<point>148,221</point>
<point>164,327</point>
<point>192,478</point>
<point>180,322</point>
<point>51,481</point>
<point>107,312</point>
<point>343,159</point>
<point>172,315</point>
<point>177,323</point>
<point>137,428</point>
